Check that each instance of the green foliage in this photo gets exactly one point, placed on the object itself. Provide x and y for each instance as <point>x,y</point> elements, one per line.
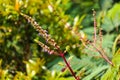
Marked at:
<point>22,59</point>
<point>113,72</point>
<point>86,67</point>
<point>112,18</point>
<point>114,48</point>
<point>33,67</point>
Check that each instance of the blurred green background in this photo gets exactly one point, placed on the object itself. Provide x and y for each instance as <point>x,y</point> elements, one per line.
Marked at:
<point>23,59</point>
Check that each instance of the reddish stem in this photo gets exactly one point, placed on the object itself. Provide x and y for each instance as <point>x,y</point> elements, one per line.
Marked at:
<point>67,64</point>
<point>95,25</point>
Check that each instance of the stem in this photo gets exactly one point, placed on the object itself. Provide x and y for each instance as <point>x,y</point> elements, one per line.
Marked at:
<point>67,64</point>
<point>102,53</point>
<point>95,25</point>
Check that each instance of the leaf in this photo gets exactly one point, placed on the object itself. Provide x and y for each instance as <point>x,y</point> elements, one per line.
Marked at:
<point>114,14</point>
<point>95,72</point>
<point>17,5</point>
<point>107,25</point>
<point>112,18</point>
<point>33,67</point>
<point>113,71</point>
<point>114,44</point>
<point>108,43</point>
<point>88,64</point>
<point>105,4</point>
<point>116,58</point>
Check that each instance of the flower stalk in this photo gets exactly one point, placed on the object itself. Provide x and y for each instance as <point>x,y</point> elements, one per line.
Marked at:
<point>97,48</point>
<point>51,42</point>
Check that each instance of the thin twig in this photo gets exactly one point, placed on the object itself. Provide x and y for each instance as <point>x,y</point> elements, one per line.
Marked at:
<point>99,48</point>
<point>84,44</point>
<point>102,53</point>
<point>95,25</point>
<point>100,37</point>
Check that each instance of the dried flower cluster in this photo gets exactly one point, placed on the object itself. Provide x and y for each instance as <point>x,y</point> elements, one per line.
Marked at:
<point>46,48</point>
<point>44,35</point>
<point>97,39</point>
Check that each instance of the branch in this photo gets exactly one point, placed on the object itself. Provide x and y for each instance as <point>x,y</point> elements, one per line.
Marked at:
<point>50,41</point>
<point>102,53</point>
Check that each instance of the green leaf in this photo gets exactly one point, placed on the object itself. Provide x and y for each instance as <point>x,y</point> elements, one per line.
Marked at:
<point>114,14</point>
<point>113,71</point>
<point>107,25</point>
<point>105,4</point>
<point>112,18</point>
<point>95,72</point>
<point>116,58</point>
<point>115,44</point>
